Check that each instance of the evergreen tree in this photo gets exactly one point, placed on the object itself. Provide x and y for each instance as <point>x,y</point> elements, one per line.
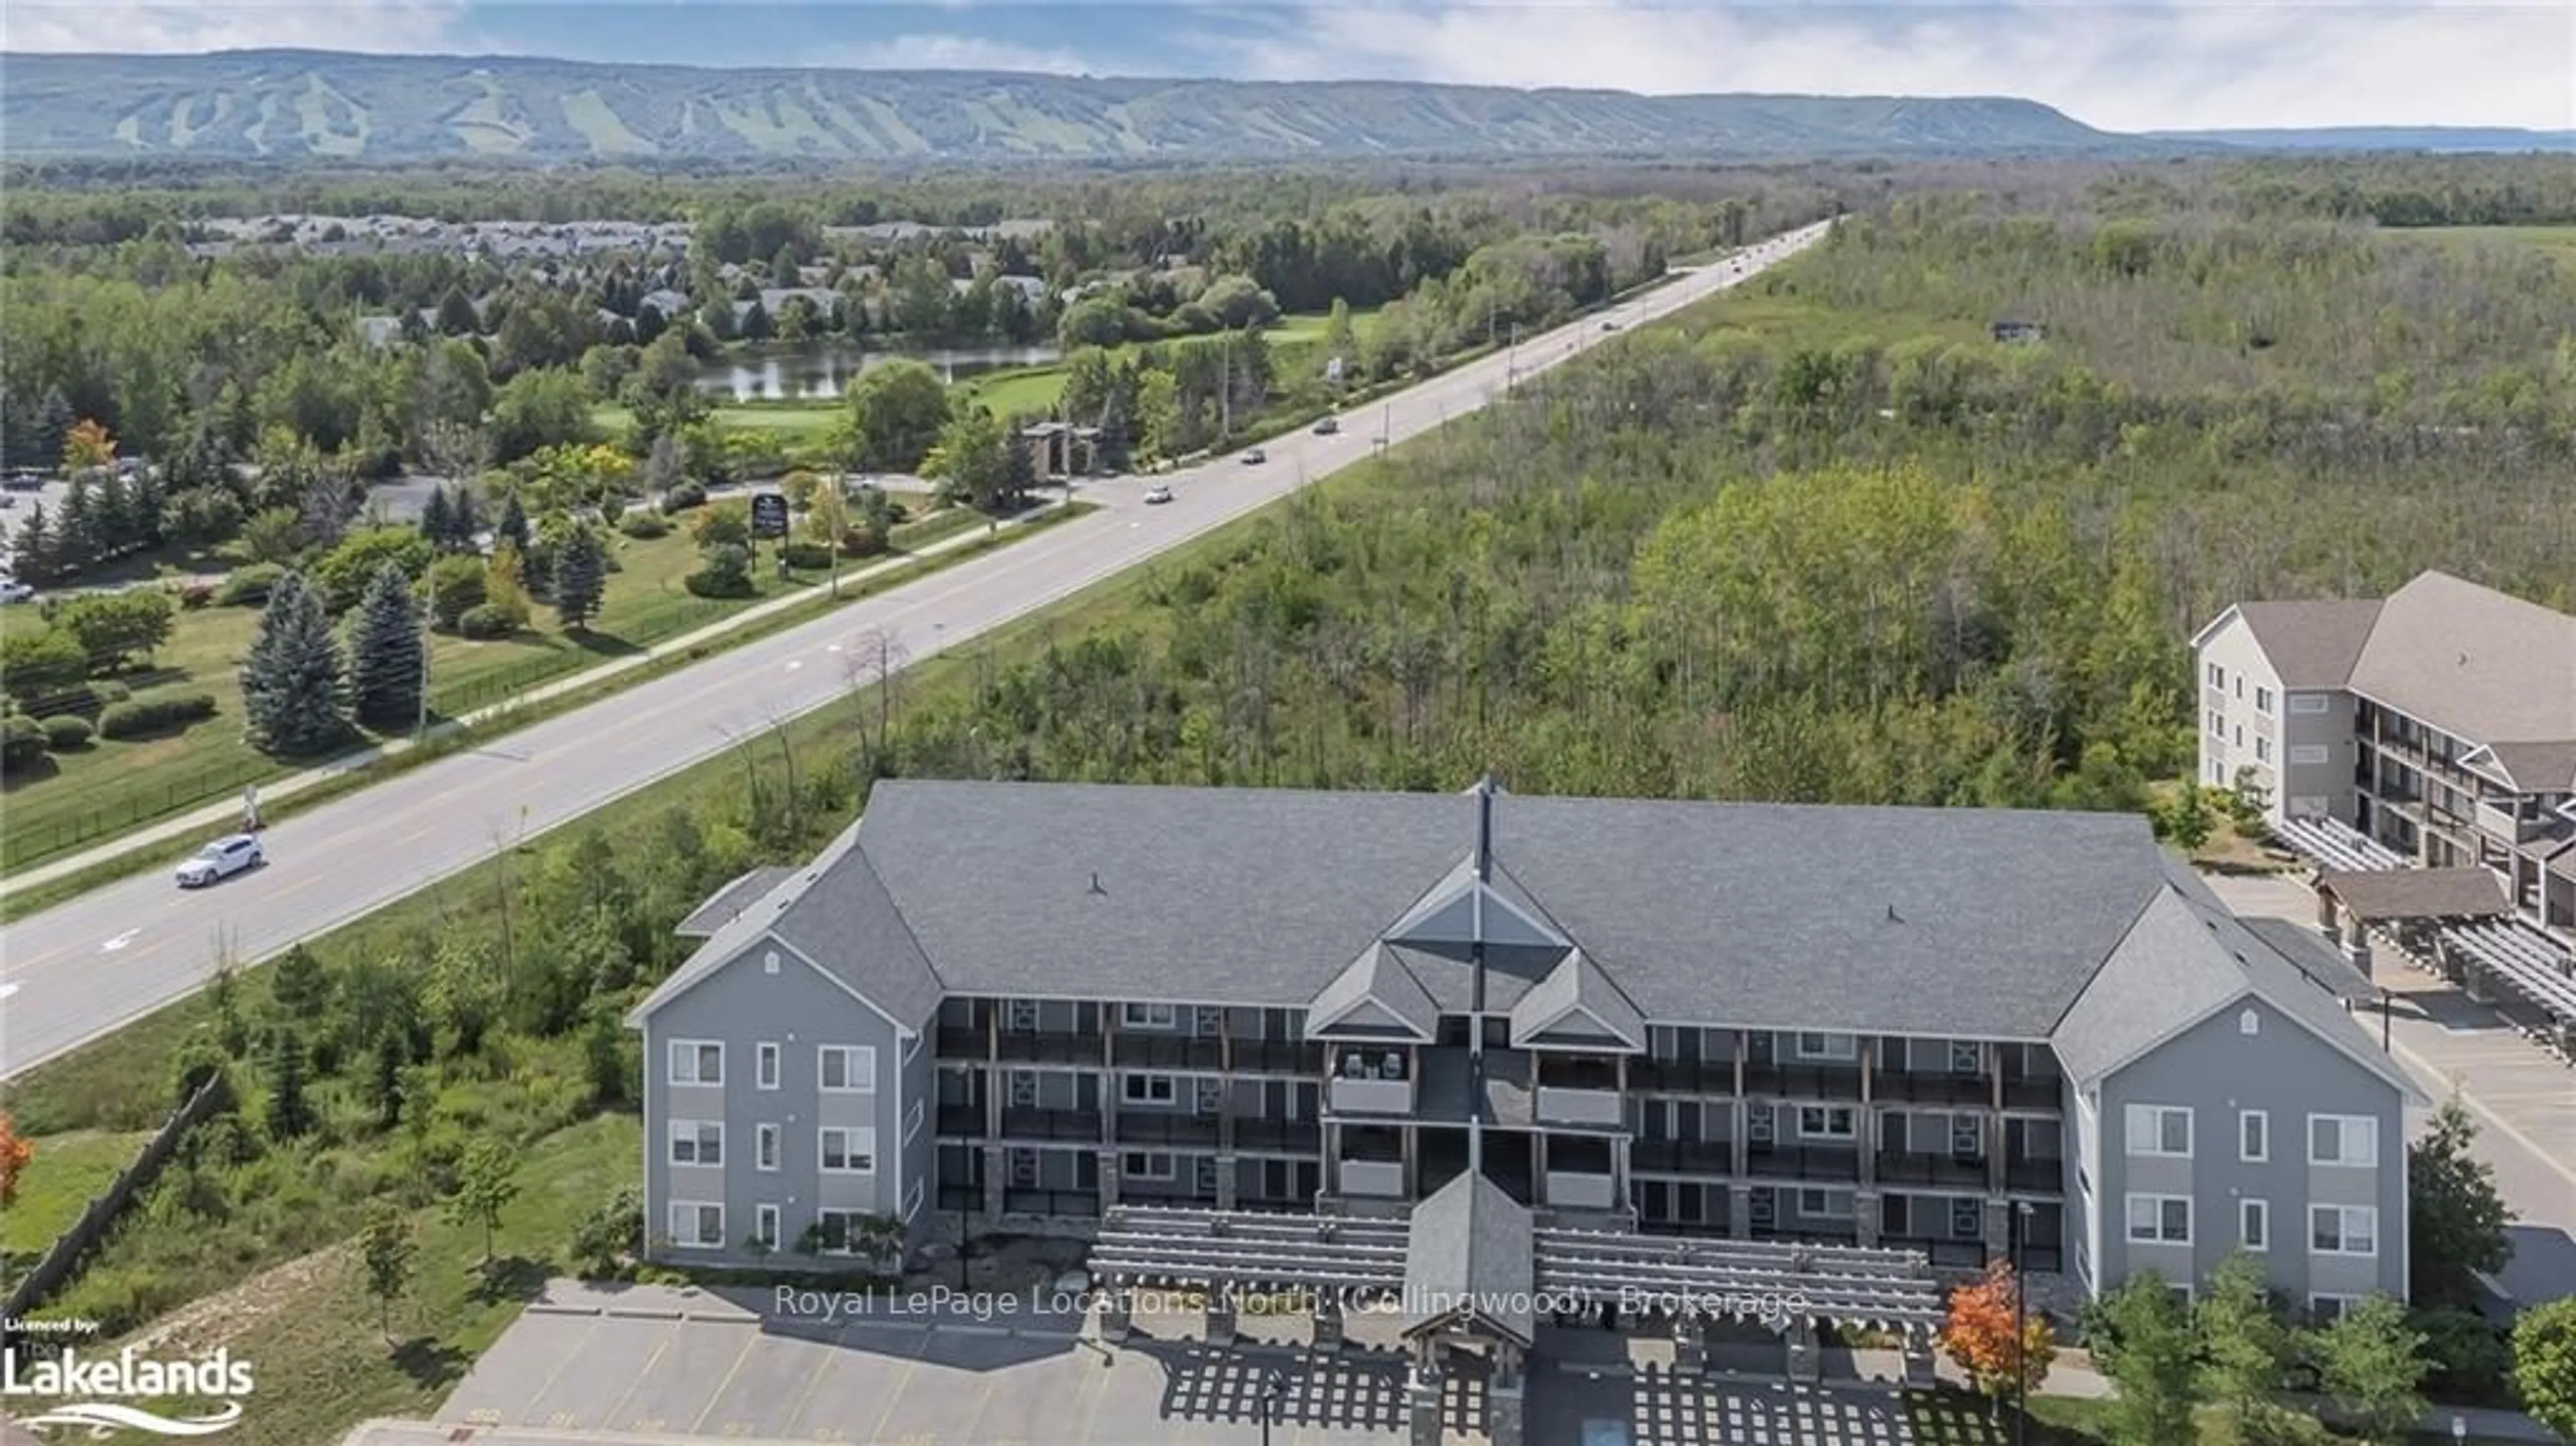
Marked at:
<point>580,578</point>
<point>385,652</point>
<point>54,422</point>
<point>464,518</point>
<point>435,524</point>
<point>32,551</point>
<point>513,526</point>
<point>297,984</point>
<point>387,1086</point>
<point>290,1114</point>
<point>604,1056</point>
<point>145,498</point>
<point>290,681</point>
<point>76,536</point>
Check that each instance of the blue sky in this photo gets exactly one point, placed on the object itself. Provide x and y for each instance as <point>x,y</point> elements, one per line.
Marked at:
<point>2167,64</point>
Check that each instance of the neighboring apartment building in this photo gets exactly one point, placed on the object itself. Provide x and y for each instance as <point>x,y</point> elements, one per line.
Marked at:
<point>2440,721</point>
<point>1026,1003</point>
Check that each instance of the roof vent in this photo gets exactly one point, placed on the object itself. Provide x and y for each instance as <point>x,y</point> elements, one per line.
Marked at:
<point>1095,883</point>
<point>1894,917</point>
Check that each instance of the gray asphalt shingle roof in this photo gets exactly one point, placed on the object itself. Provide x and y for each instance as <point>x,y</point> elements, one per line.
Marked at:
<point>1578,983</point>
<point>1376,976</point>
<point>2381,894</point>
<point>1469,1249</point>
<point>2476,663</point>
<point>1936,922</point>
<point>705,920</point>
<point>2311,644</point>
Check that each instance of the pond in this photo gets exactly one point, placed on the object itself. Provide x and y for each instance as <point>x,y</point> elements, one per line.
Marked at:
<point>823,371</point>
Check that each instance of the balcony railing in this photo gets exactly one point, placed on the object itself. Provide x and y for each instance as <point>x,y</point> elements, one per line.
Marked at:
<point>2501,823</point>
<point>1158,1127</point>
<point>1051,1202</point>
<point>1945,1253</point>
<point>1579,1190</point>
<point>1803,1081</point>
<point>1804,1162</point>
<point>1581,1106</point>
<point>961,1197</point>
<point>1911,1167</point>
<point>1673,1076</point>
<point>1168,1051</point>
<point>966,1120</point>
<point>1682,1157</point>
<point>1051,1048</point>
<point>1278,1056</point>
<point>1381,1179</point>
<point>2044,1177</point>
<point>1370,1096</point>
<point>1036,1124</point>
<point>2034,1092</point>
<point>956,1042</point>
<point>1931,1087</point>
<point>1281,1137</point>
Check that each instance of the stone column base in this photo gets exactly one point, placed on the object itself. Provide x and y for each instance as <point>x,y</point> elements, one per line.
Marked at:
<point>1117,1316</point>
<point>1806,1356</point>
<point>1328,1323</point>
<point>1503,1415</point>
<point>1739,1211</point>
<point>1227,1182</point>
<point>1920,1368</point>
<point>1690,1346</point>
<point>1422,1409</point>
<point>1220,1319</point>
<point>997,1179</point>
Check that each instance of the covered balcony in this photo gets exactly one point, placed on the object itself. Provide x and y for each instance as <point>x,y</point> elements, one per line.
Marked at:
<point>1923,1167</point>
<point>1682,1157</point>
<point>1579,1091</point>
<point>1579,1175</point>
<point>1807,1161</point>
<point>1030,1123</point>
<point>1804,1080</point>
<point>1372,1163</point>
<point>1166,1127</point>
<point>1279,1137</point>
<point>1371,1080</point>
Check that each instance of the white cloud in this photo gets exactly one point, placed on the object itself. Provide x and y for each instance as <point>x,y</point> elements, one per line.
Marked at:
<point>953,52</point>
<point>2127,67</point>
<point>128,28</point>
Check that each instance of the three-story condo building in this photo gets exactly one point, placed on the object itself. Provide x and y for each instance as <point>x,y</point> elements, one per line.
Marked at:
<point>1024,1004</point>
<point>2440,721</point>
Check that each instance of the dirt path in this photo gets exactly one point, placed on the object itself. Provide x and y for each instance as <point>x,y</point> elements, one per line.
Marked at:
<point>223,1318</point>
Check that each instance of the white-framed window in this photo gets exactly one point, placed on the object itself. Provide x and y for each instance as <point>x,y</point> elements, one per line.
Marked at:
<point>2217,677</point>
<point>764,1059</point>
<point>2263,700</point>
<point>1148,1089</point>
<point>2249,1022</point>
<point>696,1225</point>
<point>764,1225</point>
<point>1825,1122</point>
<point>2160,1219</point>
<point>1825,1204</point>
<point>846,1069</point>
<point>2325,1310</point>
<point>2253,1135</point>
<point>847,1150</point>
<point>2307,753</point>
<point>2262,749</point>
<point>764,1147</point>
<point>2343,1140</point>
<point>2240,685</point>
<point>2343,1229</point>
<point>2217,725</point>
<point>2160,1130</point>
<point>2254,1224</point>
<point>2310,703</point>
<point>769,962</point>
<point>1146,1165</point>
<point>835,1229</point>
<point>2182,1294</point>
<point>697,1142</point>
<point>697,1062</point>
<point>1827,1046</point>
<point>1146,1016</point>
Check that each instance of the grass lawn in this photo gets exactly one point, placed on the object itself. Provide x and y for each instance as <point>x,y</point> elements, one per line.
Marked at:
<point>1029,390</point>
<point>111,786</point>
<point>799,424</point>
<point>62,1177</point>
<point>2557,242</point>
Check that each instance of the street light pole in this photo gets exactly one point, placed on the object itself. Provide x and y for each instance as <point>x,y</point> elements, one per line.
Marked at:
<point>2021,1327</point>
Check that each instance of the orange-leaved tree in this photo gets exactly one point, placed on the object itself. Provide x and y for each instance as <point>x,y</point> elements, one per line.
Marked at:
<point>1979,1337</point>
<point>15,1151</point>
<point>87,446</point>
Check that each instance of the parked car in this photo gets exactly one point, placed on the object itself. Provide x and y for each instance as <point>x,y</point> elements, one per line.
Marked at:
<point>1255,457</point>
<point>23,480</point>
<point>14,591</point>
<point>1328,426</point>
<point>1156,496</point>
<point>221,859</point>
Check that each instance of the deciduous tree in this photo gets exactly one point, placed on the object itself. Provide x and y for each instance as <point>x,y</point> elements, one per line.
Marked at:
<point>1980,1336</point>
<point>2456,1219</point>
<point>15,1151</point>
<point>2372,1364</point>
<point>2544,1364</point>
<point>2143,1341</point>
<point>486,1182</point>
<point>386,1251</point>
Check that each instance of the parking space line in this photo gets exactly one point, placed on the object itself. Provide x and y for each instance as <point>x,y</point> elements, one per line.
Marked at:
<point>750,1338</point>
<point>1087,1396</point>
<point>902,1384</point>
<point>588,1327</point>
<point>608,1419</point>
<point>983,1403</point>
<point>814,1380</point>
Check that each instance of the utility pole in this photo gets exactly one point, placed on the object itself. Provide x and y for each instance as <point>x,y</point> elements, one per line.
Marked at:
<point>428,617</point>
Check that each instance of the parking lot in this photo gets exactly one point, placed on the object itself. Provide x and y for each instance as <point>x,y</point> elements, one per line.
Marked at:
<point>653,1363</point>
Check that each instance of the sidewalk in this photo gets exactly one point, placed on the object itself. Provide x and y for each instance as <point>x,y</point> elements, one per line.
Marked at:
<point>226,813</point>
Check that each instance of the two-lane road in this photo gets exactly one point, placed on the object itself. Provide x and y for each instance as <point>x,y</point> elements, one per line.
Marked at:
<point>77,971</point>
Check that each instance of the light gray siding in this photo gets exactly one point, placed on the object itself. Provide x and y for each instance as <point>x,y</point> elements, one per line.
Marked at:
<point>766,995</point>
<point>2218,1071</point>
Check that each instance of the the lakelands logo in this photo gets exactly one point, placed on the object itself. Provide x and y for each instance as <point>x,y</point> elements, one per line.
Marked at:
<point>102,1392</point>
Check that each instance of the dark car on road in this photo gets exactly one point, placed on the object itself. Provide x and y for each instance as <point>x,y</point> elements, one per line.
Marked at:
<point>1328,426</point>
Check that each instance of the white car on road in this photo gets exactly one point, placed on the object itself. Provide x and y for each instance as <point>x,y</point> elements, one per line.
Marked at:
<point>14,591</point>
<point>221,859</point>
<point>1156,496</point>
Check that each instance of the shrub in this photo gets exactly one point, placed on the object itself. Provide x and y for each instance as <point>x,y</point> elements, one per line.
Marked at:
<point>194,595</point>
<point>144,716</point>
<point>487,620</point>
<point>22,742</point>
<point>345,571</point>
<point>249,586</point>
<point>859,542</point>
<point>807,554</point>
<point>726,572</point>
<point>681,496</point>
<point>40,664</point>
<point>66,732</point>
<point>455,587</point>
<point>644,525</point>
